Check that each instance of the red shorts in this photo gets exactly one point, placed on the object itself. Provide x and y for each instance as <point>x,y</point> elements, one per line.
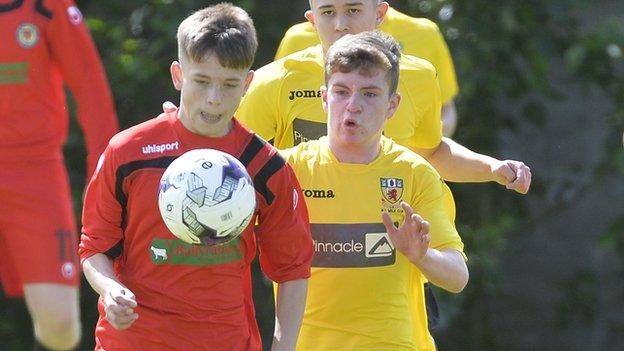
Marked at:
<point>38,239</point>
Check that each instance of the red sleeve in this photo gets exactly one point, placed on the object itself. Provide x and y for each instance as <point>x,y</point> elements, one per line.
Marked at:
<point>75,54</point>
<point>102,212</point>
<point>283,230</point>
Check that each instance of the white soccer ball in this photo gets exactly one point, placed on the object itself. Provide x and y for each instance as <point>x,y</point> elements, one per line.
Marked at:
<point>206,197</point>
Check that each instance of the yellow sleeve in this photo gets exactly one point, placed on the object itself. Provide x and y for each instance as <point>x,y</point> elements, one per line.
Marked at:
<point>444,65</point>
<point>422,90</point>
<point>298,37</point>
<point>430,128</point>
<point>259,108</point>
<point>433,201</point>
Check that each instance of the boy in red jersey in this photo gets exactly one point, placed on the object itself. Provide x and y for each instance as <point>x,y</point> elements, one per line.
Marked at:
<point>45,44</point>
<point>194,299</point>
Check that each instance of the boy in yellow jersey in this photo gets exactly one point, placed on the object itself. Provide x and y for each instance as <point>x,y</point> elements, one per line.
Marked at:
<point>381,217</point>
<point>283,101</point>
<point>418,37</point>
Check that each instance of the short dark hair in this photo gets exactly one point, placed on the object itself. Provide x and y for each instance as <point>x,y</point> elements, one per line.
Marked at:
<point>222,29</point>
<point>365,51</point>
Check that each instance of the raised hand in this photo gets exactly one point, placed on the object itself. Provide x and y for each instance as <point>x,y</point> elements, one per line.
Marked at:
<point>410,238</point>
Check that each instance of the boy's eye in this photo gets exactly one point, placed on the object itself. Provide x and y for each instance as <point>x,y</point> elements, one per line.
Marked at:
<point>353,11</point>
<point>370,94</point>
<point>328,12</point>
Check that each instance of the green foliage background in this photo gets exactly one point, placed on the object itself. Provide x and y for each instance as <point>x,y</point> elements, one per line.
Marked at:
<point>505,53</point>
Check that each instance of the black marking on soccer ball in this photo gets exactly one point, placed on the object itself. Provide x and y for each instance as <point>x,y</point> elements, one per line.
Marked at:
<point>165,185</point>
<point>231,173</point>
<point>209,237</point>
<point>233,170</point>
<point>196,189</point>
<point>205,234</point>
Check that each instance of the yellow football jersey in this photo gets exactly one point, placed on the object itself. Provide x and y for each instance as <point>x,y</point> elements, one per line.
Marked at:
<point>363,294</point>
<point>283,102</point>
<point>418,37</point>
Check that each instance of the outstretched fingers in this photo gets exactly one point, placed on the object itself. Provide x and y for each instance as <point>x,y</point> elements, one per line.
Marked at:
<point>413,222</point>
<point>411,238</point>
<point>119,308</point>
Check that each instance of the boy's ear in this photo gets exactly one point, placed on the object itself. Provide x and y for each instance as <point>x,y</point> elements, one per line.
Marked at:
<point>381,10</point>
<point>324,97</point>
<point>248,80</point>
<point>310,17</point>
<point>176,75</point>
<point>395,99</point>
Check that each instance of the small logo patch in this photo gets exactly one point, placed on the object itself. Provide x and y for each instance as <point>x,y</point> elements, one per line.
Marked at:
<point>378,245</point>
<point>295,199</point>
<point>177,252</point>
<point>75,16</point>
<point>319,193</point>
<point>308,93</point>
<point>159,254</point>
<point>68,270</point>
<point>160,148</point>
<point>27,35</point>
<point>392,189</point>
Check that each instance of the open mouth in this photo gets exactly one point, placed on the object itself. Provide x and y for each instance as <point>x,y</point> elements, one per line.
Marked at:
<point>210,118</point>
<point>350,123</point>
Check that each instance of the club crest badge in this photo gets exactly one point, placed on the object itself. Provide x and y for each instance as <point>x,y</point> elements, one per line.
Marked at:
<point>68,270</point>
<point>75,16</point>
<point>27,35</point>
<point>392,189</point>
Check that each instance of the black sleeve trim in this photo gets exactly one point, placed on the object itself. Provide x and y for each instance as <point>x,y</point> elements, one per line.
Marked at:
<point>266,172</point>
<point>115,251</point>
<point>11,6</point>
<point>43,10</point>
<point>255,145</point>
<point>125,170</point>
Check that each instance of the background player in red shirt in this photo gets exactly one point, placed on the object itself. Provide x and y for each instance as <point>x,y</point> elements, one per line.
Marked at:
<point>45,44</point>
<point>191,297</point>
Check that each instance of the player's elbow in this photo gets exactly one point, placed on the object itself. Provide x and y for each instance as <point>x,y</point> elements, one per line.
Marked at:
<point>460,281</point>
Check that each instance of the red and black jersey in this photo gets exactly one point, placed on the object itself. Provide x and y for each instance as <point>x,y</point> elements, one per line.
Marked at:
<point>46,44</point>
<point>190,297</point>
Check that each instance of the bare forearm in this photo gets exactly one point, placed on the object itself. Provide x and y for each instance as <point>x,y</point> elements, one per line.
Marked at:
<point>119,301</point>
<point>291,298</point>
<point>446,269</point>
<point>98,269</point>
<point>457,163</point>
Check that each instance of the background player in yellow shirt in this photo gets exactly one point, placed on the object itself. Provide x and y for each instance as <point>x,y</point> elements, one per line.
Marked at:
<point>283,105</point>
<point>381,217</point>
<point>418,37</point>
